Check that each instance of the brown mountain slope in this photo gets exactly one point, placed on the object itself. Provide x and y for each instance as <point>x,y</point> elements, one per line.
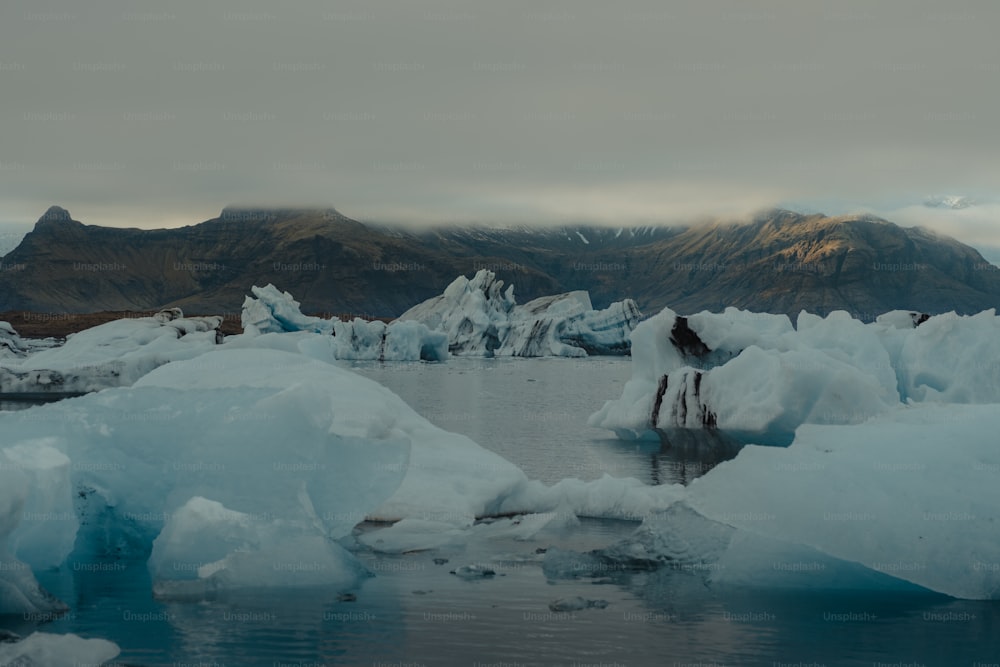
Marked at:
<point>785,262</point>
<point>779,262</point>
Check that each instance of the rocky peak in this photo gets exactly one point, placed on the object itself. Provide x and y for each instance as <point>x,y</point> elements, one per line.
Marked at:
<point>56,214</point>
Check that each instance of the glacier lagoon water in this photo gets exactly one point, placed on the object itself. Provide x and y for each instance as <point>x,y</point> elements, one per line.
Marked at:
<point>414,612</point>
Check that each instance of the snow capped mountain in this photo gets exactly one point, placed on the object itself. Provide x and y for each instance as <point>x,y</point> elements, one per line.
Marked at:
<point>955,202</point>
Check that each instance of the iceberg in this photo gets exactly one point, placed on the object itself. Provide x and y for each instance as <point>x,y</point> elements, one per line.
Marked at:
<point>905,502</point>
<point>38,525</point>
<point>271,311</point>
<point>14,347</point>
<point>273,454</point>
<point>397,341</point>
<point>754,375</point>
<point>113,354</point>
<point>42,648</point>
<point>11,344</point>
<point>239,468</point>
<point>223,549</point>
<point>480,318</point>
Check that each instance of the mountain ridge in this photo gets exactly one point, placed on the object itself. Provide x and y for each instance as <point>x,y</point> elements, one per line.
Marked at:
<point>777,261</point>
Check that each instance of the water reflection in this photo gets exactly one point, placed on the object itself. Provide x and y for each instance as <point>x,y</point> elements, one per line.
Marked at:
<point>11,402</point>
<point>686,454</point>
<point>676,455</point>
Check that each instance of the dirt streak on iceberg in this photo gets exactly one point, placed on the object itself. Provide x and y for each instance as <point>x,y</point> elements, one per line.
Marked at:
<point>755,375</point>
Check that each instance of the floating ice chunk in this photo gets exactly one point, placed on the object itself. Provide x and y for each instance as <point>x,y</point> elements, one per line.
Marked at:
<point>113,354</point>
<point>752,374</point>
<point>416,535</point>
<point>602,331</point>
<point>677,537</point>
<point>576,603</point>
<point>50,650</point>
<point>912,494</point>
<point>480,319</point>
<point>310,447</point>
<point>205,547</point>
<point>951,359</point>
<point>422,534</point>
<point>720,555</point>
<point>567,564</point>
<point>411,340</point>
<point>274,311</point>
<point>606,498</point>
<point>902,319</point>
<point>397,341</point>
<point>474,571</point>
<point>11,344</point>
<point>474,313</point>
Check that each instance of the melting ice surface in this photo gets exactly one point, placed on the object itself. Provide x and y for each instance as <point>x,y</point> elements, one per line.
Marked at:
<point>727,569</point>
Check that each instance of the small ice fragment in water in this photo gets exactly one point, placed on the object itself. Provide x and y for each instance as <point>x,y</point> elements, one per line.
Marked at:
<point>473,572</point>
<point>576,603</point>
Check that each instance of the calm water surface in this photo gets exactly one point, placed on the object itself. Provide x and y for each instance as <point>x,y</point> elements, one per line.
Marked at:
<point>534,413</point>
<point>414,612</point>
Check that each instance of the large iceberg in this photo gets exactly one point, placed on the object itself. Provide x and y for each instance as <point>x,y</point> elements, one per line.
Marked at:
<point>113,354</point>
<point>756,375</point>
<point>274,455</point>
<point>480,318</point>
<point>240,468</point>
<point>271,311</point>
<point>906,501</point>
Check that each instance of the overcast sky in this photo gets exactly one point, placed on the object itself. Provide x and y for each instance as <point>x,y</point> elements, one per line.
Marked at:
<point>515,111</point>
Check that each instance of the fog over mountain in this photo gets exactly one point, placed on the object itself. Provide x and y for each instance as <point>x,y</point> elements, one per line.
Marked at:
<point>443,111</point>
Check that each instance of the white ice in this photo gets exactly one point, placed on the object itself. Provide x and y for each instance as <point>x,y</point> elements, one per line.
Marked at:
<point>906,501</point>
<point>42,649</point>
<point>271,311</point>
<point>480,318</point>
<point>224,465</point>
<point>753,374</point>
<point>113,354</point>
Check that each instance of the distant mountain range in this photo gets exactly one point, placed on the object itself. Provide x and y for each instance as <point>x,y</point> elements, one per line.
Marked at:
<point>779,262</point>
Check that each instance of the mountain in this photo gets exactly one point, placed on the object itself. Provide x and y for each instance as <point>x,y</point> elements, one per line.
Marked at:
<point>780,261</point>
<point>784,262</point>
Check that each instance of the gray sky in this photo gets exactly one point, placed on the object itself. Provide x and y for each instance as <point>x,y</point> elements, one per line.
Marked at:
<point>516,111</point>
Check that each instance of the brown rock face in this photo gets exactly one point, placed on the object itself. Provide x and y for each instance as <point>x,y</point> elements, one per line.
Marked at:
<point>779,262</point>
